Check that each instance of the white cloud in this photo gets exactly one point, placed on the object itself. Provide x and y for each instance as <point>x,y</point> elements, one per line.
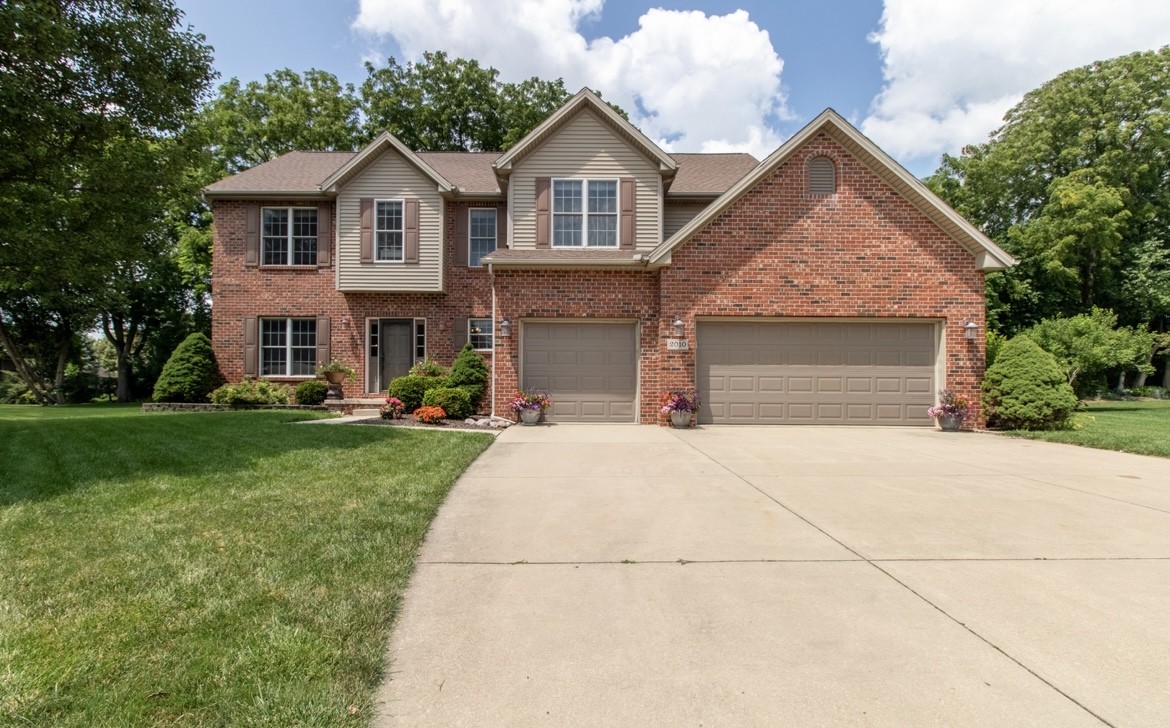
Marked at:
<point>952,69</point>
<point>705,83</point>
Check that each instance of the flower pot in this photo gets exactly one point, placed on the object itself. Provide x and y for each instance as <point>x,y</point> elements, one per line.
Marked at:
<point>530,416</point>
<point>334,377</point>
<point>950,423</point>
<point>679,419</point>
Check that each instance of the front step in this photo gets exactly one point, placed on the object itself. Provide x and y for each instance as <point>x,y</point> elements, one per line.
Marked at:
<point>366,412</point>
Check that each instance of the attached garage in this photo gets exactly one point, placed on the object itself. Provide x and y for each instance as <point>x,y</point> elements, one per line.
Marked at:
<point>588,369</point>
<point>816,372</point>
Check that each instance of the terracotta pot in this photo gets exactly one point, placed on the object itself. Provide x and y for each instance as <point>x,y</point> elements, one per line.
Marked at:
<point>334,377</point>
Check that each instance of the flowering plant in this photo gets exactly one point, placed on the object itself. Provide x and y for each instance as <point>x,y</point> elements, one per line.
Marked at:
<point>680,400</point>
<point>530,401</point>
<point>949,405</point>
<point>336,366</point>
<point>430,415</point>
<point>393,409</point>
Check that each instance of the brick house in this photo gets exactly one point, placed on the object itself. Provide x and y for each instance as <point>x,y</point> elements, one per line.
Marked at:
<point>823,285</point>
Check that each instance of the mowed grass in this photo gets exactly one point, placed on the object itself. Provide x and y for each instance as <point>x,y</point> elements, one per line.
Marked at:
<point>221,569</point>
<point>1141,427</point>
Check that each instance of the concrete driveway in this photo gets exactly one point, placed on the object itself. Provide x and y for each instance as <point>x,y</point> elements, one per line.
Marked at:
<point>636,576</point>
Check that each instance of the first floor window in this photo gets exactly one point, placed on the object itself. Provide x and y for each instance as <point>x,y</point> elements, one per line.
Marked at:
<point>388,230</point>
<point>585,213</point>
<point>290,235</point>
<point>479,333</point>
<point>420,339</point>
<point>482,238</point>
<point>288,347</point>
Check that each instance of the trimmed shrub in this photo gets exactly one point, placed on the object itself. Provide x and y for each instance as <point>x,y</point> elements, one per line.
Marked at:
<point>469,372</point>
<point>312,392</point>
<point>191,374</point>
<point>252,391</point>
<point>1026,390</point>
<point>430,415</point>
<point>410,389</point>
<point>453,400</point>
<point>428,368</point>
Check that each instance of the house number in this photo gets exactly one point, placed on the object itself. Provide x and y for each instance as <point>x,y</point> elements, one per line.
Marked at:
<point>677,345</point>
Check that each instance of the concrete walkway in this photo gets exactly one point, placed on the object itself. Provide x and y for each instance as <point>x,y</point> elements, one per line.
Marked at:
<point>639,576</point>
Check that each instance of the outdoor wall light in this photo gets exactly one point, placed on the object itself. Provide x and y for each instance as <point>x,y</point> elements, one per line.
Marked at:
<point>679,327</point>
<point>505,328</point>
<point>970,329</point>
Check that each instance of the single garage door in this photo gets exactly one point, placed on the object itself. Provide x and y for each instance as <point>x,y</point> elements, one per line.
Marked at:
<point>589,370</point>
<point>816,373</point>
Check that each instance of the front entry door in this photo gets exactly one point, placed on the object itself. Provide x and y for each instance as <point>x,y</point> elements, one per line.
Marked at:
<point>396,350</point>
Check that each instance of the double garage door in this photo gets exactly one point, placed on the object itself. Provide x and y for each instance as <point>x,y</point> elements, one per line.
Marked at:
<point>588,369</point>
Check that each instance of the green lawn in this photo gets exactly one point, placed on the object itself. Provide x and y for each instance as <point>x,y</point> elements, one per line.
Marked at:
<point>206,569</point>
<point>1138,427</point>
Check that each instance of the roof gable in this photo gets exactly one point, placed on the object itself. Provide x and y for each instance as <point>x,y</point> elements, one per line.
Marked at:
<point>375,149</point>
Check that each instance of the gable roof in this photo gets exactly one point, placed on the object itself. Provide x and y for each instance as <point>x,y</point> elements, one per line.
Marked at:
<point>373,150</point>
<point>469,172</point>
<point>988,255</point>
<point>709,175</point>
<point>291,174</point>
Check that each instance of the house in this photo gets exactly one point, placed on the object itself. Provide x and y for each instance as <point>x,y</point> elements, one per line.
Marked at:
<point>823,285</point>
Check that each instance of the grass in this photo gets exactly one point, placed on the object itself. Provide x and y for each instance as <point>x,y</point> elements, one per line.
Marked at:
<point>206,569</point>
<point>1141,427</point>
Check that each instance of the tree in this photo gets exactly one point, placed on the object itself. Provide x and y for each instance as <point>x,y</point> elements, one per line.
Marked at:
<point>1089,347</point>
<point>1075,185</point>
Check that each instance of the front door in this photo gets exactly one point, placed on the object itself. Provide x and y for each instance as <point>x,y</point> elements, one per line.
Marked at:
<point>396,349</point>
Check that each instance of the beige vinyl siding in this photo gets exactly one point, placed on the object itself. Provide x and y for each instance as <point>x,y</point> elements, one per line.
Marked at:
<point>677,216</point>
<point>585,147</point>
<point>390,177</point>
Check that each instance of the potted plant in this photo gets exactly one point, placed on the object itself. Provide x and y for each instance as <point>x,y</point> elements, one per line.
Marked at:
<point>530,406</point>
<point>393,409</point>
<point>335,373</point>
<point>950,410</point>
<point>682,405</point>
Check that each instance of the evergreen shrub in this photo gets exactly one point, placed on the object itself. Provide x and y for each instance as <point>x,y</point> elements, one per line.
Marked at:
<point>454,401</point>
<point>1026,390</point>
<point>312,392</point>
<point>410,389</point>
<point>252,391</point>
<point>191,374</point>
<point>470,373</point>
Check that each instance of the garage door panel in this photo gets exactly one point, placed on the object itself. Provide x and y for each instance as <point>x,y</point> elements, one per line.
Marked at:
<point>798,385</point>
<point>771,384</point>
<point>589,370</point>
<point>831,385</point>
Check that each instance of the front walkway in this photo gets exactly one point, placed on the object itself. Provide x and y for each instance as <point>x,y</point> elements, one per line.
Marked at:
<point>628,575</point>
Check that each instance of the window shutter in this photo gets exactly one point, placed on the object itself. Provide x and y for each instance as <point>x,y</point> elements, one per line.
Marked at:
<point>251,356</point>
<point>462,242</point>
<point>324,233</point>
<point>501,227</point>
<point>822,176</point>
<point>323,351</point>
<point>543,226</point>
<point>367,225</point>
<point>460,328</point>
<point>627,228</point>
<point>252,235</point>
<point>410,230</point>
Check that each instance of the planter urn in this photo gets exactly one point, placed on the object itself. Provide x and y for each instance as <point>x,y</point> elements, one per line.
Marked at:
<point>334,379</point>
<point>530,416</point>
<point>681,420</point>
<point>950,423</point>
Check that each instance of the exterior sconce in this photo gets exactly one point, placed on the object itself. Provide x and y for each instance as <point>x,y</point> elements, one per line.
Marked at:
<point>345,322</point>
<point>679,327</point>
<point>505,328</point>
<point>970,329</point>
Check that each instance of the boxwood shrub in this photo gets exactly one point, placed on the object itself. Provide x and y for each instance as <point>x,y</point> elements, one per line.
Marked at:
<point>454,401</point>
<point>410,389</point>
<point>312,392</point>
<point>1025,389</point>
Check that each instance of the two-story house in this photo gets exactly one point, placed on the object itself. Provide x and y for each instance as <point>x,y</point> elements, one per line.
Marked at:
<point>822,285</point>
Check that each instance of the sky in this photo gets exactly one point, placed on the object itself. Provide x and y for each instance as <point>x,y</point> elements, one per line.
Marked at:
<point>919,77</point>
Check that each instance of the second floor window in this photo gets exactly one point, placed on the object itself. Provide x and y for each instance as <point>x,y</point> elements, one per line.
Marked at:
<point>290,236</point>
<point>482,238</point>
<point>388,234</point>
<point>585,213</point>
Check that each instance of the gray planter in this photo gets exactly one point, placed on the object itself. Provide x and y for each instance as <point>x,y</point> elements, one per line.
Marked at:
<point>950,423</point>
<point>681,420</point>
<point>530,416</point>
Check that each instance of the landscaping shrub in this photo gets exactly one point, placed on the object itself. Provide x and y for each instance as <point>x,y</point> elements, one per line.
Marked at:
<point>430,415</point>
<point>470,373</point>
<point>454,401</point>
<point>191,374</point>
<point>428,368</point>
<point>12,388</point>
<point>252,391</point>
<point>411,388</point>
<point>312,392</point>
<point>995,342</point>
<point>1026,390</point>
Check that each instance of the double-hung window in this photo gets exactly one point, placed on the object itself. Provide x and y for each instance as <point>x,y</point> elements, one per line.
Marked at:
<point>388,231</point>
<point>482,235</point>
<point>479,333</point>
<point>290,235</point>
<point>288,347</point>
<point>585,213</point>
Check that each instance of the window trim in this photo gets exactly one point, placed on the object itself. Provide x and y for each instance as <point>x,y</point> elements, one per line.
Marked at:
<point>491,335</point>
<point>495,231</point>
<point>289,237</point>
<point>375,230</point>
<point>288,347</point>
<point>586,181</point>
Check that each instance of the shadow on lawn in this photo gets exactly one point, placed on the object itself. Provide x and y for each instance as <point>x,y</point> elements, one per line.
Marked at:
<point>50,456</point>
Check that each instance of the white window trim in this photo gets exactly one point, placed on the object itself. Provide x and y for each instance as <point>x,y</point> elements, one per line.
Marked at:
<point>495,230</point>
<point>493,334</point>
<point>288,347</point>
<point>552,214</point>
<point>400,201</point>
<point>288,238</point>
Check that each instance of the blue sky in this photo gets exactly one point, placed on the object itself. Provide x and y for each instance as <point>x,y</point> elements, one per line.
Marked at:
<point>920,78</point>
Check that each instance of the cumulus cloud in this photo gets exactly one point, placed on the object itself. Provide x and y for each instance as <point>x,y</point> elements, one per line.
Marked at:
<point>690,81</point>
<point>952,69</point>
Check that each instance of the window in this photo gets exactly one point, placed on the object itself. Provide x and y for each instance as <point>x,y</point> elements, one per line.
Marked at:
<point>482,233</point>
<point>388,235</point>
<point>288,347</point>
<point>290,235</point>
<point>420,339</point>
<point>822,176</point>
<point>585,213</point>
<point>479,333</point>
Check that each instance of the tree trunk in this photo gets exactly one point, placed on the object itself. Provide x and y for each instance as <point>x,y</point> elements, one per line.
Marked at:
<point>1166,375</point>
<point>62,360</point>
<point>124,392</point>
<point>1121,383</point>
<point>23,370</point>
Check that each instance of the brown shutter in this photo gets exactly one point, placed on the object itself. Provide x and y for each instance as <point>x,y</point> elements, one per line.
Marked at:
<point>251,357</point>
<point>324,233</point>
<point>323,351</point>
<point>252,235</point>
<point>411,231</point>
<point>501,227</point>
<point>627,229</point>
<point>367,226</point>
<point>460,328</point>
<point>543,226</point>
<point>462,212</point>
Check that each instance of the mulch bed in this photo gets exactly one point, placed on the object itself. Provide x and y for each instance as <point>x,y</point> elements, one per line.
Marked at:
<point>410,421</point>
